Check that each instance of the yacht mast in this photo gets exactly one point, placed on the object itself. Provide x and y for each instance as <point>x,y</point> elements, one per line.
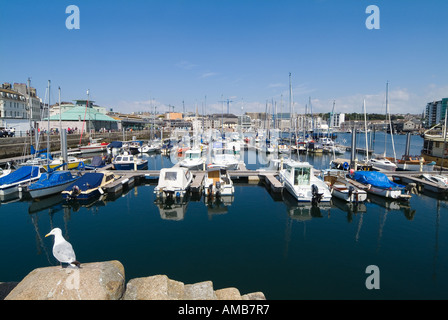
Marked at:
<point>365,129</point>
<point>48,122</point>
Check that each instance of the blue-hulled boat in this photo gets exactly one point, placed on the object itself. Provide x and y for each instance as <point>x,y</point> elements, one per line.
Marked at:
<point>50,183</point>
<point>88,186</point>
<point>129,162</point>
<point>96,163</point>
<point>25,175</point>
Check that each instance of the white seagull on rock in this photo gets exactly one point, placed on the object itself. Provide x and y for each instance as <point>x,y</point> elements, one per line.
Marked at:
<point>62,249</point>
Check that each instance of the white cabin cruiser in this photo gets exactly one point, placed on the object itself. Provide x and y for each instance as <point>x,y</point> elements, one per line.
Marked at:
<point>193,159</point>
<point>173,182</point>
<point>382,163</point>
<point>299,179</point>
<point>217,182</point>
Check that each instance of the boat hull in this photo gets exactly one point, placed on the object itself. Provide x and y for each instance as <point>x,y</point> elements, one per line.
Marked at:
<point>304,193</point>
<point>84,195</point>
<point>92,149</point>
<point>44,192</point>
<point>386,193</point>
<point>130,166</point>
<point>343,194</point>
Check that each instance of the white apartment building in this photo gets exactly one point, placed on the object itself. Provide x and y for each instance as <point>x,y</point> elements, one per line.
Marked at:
<point>337,119</point>
<point>14,106</point>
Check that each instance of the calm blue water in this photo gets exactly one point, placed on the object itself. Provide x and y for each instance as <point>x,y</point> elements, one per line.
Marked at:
<point>259,242</point>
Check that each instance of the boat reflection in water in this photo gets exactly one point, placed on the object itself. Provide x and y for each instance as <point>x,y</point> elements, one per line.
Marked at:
<point>218,205</point>
<point>96,201</point>
<point>352,208</point>
<point>349,207</point>
<point>303,211</point>
<point>52,203</point>
<point>394,205</point>
<point>9,198</point>
<point>171,208</point>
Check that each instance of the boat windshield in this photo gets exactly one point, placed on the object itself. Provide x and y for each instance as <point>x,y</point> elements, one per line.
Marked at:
<point>194,155</point>
<point>302,176</point>
<point>171,176</point>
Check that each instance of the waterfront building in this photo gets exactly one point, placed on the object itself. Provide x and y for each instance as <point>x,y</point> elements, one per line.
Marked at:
<point>435,112</point>
<point>173,116</point>
<point>14,106</point>
<point>128,121</point>
<point>65,106</point>
<point>31,98</point>
<point>80,119</point>
<point>337,119</point>
<point>244,121</point>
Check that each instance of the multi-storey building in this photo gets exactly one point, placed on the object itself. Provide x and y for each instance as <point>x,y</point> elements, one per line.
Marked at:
<point>435,112</point>
<point>15,103</point>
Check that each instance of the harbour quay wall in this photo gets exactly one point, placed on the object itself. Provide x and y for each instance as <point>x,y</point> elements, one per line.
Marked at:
<point>106,281</point>
<point>19,146</point>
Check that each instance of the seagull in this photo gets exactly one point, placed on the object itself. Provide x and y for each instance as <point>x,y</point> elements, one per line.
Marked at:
<point>62,249</point>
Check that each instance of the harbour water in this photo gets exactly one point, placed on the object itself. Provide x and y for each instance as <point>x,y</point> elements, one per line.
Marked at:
<point>258,242</point>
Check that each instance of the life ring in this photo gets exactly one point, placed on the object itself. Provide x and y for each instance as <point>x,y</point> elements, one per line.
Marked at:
<point>81,165</point>
<point>346,166</point>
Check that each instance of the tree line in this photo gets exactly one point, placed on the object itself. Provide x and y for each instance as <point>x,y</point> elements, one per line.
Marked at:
<point>360,116</point>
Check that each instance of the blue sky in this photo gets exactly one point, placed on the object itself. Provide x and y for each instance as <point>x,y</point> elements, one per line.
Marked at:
<point>137,54</point>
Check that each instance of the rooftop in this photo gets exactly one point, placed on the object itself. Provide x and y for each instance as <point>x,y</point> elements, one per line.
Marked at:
<point>80,112</point>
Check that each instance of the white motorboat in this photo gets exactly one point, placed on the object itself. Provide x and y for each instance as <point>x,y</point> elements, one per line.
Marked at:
<point>298,178</point>
<point>438,179</point>
<point>193,159</point>
<point>217,182</point>
<point>173,182</point>
<point>342,189</point>
<point>94,146</point>
<point>225,157</point>
<point>148,148</point>
<point>382,163</point>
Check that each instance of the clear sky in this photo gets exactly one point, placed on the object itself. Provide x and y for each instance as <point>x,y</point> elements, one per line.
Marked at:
<point>136,54</point>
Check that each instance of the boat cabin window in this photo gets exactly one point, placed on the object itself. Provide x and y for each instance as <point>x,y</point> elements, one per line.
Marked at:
<point>109,177</point>
<point>302,176</point>
<point>171,176</point>
<point>118,159</point>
